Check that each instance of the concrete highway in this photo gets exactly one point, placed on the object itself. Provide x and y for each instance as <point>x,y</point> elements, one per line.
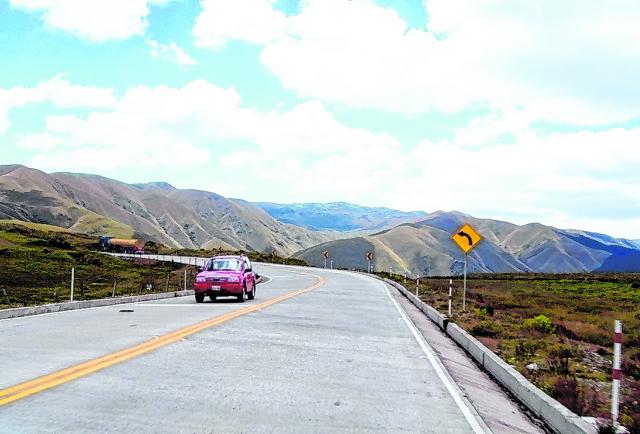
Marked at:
<point>317,351</point>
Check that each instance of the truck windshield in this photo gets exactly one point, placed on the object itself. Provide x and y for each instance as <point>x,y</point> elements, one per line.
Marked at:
<point>223,264</point>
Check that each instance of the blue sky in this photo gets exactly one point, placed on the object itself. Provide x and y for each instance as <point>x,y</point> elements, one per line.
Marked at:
<point>517,110</point>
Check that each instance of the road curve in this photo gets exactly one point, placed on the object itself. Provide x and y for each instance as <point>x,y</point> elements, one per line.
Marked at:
<point>330,352</point>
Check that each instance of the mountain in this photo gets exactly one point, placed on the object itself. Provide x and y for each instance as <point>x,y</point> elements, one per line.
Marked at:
<point>153,211</point>
<point>425,247</point>
<point>339,216</point>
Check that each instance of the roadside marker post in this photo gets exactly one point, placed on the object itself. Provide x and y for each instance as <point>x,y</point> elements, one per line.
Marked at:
<point>369,257</point>
<point>450,295</point>
<point>332,264</point>
<point>616,374</point>
<point>73,278</point>
<point>466,238</point>
<point>185,279</point>
<point>113,291</point>
<point>325,254</point>
<point>417,284</point>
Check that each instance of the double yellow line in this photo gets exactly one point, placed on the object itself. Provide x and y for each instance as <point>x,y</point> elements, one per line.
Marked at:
<point>71,373</point>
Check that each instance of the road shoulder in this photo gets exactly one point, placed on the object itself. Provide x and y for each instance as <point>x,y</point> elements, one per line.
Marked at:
<point>500,412</point>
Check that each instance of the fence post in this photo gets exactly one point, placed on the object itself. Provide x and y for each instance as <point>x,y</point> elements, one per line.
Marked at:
<point>616,375</point>
<point>73,277</point>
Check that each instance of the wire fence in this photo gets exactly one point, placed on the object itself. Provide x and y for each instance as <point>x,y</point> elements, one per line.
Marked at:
<point>29,289</point>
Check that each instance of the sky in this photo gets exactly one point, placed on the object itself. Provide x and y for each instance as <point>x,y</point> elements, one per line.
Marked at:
<point>519,110</point>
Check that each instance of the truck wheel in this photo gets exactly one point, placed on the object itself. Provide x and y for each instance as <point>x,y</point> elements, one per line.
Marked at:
<point>199,298</point>
<point>252,294</point>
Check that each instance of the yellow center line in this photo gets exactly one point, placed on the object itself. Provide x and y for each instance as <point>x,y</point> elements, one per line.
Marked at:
<point>71,373</point>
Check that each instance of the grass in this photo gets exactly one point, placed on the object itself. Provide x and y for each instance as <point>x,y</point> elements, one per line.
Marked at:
<point>95,224</point>
<point>35,268</point>
<point>563,324</point>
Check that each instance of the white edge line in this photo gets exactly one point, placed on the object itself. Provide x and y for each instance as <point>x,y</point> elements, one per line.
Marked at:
<point>472,417</point>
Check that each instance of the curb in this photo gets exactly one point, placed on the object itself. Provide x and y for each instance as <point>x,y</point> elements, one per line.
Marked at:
<point>85,304</point>
<point>558,417</point>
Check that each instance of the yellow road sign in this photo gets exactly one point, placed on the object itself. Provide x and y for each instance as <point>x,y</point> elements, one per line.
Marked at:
<point>466,238</point>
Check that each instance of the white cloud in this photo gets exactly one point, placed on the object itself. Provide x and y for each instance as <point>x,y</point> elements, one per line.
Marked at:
<point>169,52</point>
<point>586,180</point>
<point>219,22</point>
<point>569,62</point>
<point>197,123</point>
<point>96,20</point>
<point>57,90</point>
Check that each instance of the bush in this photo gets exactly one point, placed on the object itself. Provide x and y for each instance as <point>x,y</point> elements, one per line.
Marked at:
<point>540,323</point>
<point>526,349</point>
<point>481,312</point>
<point>486,328</point>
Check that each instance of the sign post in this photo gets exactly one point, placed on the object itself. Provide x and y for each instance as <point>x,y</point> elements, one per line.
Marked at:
<point>369,257</point>
<point>325,254</point>
<point>466,238</point>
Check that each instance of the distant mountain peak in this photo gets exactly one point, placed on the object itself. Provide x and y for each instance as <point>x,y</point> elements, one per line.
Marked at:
<point>161,185</point>
<point>339,216</point>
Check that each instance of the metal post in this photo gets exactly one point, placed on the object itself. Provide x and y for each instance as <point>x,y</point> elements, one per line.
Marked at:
<point>616,375</point>
<point>185,279</point>
<point>450,295</point>
<point>369,269</point>
<point>464,287</point>
<point>73,278</point>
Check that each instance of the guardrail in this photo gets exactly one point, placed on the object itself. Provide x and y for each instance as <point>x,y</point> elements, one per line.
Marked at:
<point>555,415</point>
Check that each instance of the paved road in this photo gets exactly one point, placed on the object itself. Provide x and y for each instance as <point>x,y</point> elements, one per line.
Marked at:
<point>341,357</point>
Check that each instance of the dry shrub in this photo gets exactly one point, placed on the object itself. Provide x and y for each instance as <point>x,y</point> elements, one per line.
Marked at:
<point>567,392</point>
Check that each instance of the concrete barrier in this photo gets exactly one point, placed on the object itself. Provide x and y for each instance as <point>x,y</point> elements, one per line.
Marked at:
<point>557,417</point>
<point>432,313</point>
<point>84,304</point>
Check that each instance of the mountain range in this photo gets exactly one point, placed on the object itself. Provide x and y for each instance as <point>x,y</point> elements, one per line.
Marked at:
<point>339,216</point>
<point>153,211</point>
<point>417,242</point>
<point>426,248</point>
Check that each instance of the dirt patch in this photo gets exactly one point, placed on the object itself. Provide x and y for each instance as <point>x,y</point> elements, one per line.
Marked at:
<point>5,243</point>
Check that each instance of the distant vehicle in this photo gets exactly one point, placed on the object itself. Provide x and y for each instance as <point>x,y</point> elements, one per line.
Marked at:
<point>226,276</point>
<point>121,245</point>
